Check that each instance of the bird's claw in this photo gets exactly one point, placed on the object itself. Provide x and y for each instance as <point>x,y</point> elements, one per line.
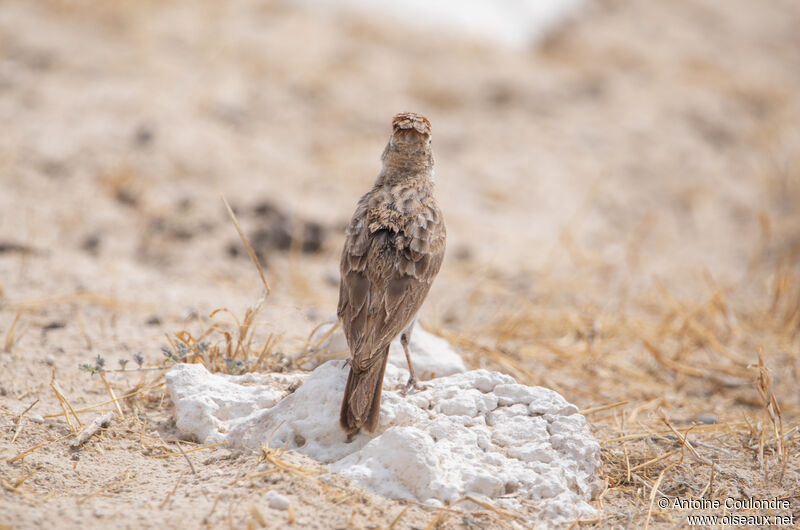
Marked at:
<point>412,383</point>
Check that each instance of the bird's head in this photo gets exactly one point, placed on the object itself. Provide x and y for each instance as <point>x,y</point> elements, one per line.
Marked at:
<point>409,148</point>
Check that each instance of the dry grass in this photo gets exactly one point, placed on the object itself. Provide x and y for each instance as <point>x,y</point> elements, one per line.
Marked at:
<point>230,347</point>
<point>235,352</point>
<point>719,373</point>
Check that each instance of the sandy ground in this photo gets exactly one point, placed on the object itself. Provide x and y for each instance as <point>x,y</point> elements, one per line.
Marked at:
<point>623,225</point>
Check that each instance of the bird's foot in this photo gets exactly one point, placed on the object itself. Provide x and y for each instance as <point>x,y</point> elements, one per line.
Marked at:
<point>352,436</point>
<point>411,384</point>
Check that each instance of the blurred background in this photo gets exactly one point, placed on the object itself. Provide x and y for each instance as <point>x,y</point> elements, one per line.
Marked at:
<point>586,151</point>
<point>601,141</point>
<point>620,179</point>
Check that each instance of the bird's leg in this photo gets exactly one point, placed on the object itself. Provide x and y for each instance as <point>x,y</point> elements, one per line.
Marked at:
<point>412,379</point>
<point>352,436</point>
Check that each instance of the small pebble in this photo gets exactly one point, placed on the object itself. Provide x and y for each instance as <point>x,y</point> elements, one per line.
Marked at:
<point>36,418</point>
<point>708,418</point>
<point>276,500</point>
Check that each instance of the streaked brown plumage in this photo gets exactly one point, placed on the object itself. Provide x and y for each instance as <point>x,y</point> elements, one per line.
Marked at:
<point>394,248</point>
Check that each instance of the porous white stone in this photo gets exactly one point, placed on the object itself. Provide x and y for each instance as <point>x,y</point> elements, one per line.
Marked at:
<point>211,403</point>
<point>432,356</point>
<point>475,433</point>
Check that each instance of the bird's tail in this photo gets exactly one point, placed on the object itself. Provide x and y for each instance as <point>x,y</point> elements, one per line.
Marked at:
<point>361,405</point>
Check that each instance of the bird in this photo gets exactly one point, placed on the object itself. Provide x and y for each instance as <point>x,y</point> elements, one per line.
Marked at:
<point>393,250</point>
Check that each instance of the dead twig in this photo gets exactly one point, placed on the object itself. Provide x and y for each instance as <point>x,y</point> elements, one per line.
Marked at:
<point>20,416</point>
<point>191,466</point>
<point>249,247</point>
<point>101,422</point>
<point>182,452</point>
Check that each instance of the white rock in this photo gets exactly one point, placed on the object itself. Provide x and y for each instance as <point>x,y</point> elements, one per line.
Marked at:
<point>36,418</point>
<point>546,401</point>
<point>475,433</point>
<point>432,356</point>
<point>512,23</point>
<point>210,404</point>
<point>276,501</point>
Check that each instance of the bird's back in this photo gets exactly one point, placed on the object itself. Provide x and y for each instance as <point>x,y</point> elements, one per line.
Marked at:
<point>394,248</point>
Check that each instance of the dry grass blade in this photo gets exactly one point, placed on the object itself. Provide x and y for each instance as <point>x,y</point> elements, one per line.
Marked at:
<point>399,516</point>
<point>437,520</point>
<point>491,507</point>
<point>254,476</point>
<point>273,457</point>
<point>661,358</point>
<point>25,453</point>
<point>709,487</point>
<point>600,408</point>
<point>266,351</point>
<point>238,354</point>
<point>112,486</point>
<point>652,461</point>
<point>113,396</point>
<point>257,517</point>
<point>91,408</point>
<point>724,427</point>
<point>311,349</point>
<point>21,480</point>
<point>19,420</point>
<point>685,443</point>
<point>65,405</point>
<point>326,335</point>
<point>12,337</point>
<point>249,247</point>
<point>170,494</point>
<point>182,452</point>
<point>191,466</point>
<point>699,329</point>
<point>84,333</point>
<point>772,411</point>
<point>653,492</point>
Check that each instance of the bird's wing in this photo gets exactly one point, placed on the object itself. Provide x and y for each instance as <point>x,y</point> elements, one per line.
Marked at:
<point>386,275</point>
